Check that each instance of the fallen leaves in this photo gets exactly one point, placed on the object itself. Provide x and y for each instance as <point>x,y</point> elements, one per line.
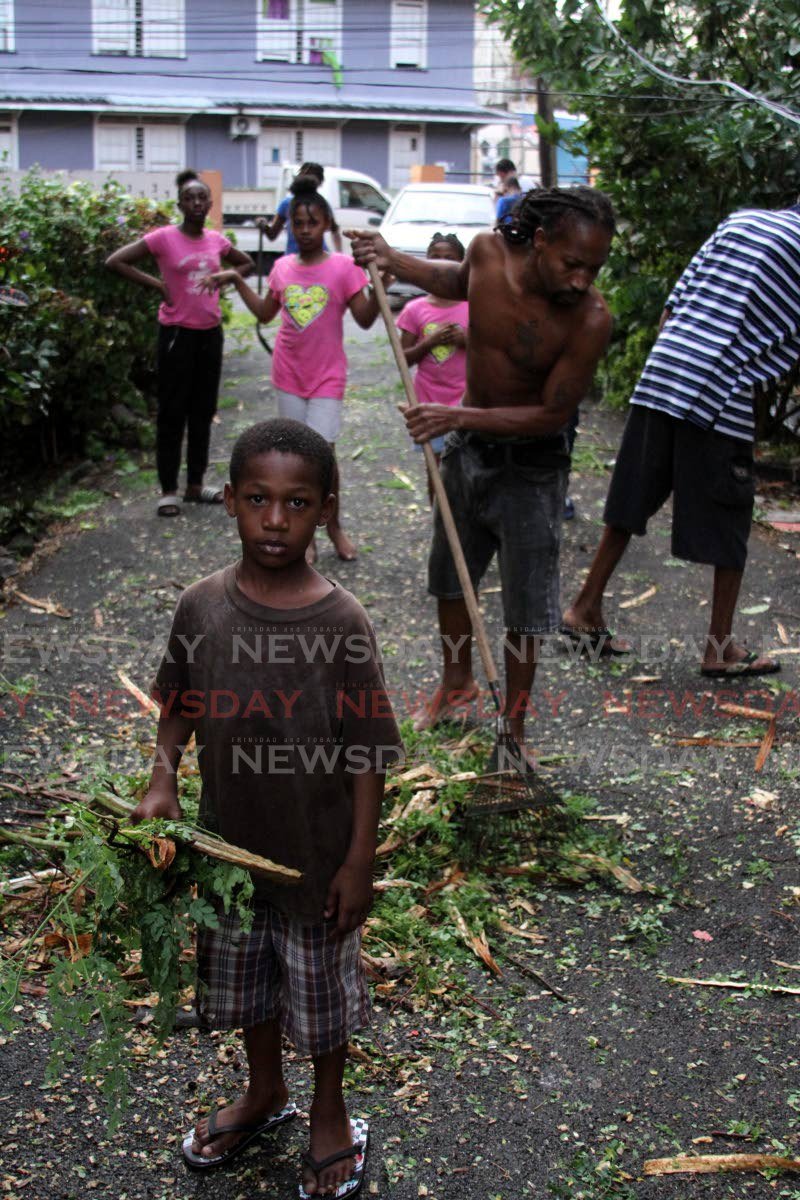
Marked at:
<point>161,852</point>
<point>476,941</point>
<point>606,867</point>
<point>765,801</point>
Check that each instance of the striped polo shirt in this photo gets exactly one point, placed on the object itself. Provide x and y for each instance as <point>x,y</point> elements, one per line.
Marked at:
<point>735,324</point>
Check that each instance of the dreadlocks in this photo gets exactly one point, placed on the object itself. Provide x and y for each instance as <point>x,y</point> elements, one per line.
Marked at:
<point>548,208</point>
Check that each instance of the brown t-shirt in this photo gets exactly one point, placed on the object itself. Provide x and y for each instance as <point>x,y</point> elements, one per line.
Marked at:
<point>287,705</point>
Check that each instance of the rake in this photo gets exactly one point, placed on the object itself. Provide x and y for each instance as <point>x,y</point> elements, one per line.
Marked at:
<point>259,285</point>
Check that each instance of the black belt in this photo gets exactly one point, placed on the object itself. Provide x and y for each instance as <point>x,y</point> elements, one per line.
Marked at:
<point>545,452</point>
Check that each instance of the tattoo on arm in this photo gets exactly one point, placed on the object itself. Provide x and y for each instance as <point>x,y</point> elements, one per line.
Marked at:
<point>443,281</point>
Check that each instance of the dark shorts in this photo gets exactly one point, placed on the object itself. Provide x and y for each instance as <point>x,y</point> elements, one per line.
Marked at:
<point>709,475</point>
<point>508,498</point>
<point>313,983</point>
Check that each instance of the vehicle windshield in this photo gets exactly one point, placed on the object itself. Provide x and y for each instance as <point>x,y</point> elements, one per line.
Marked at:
<point>355,194</point>
<point>444,208</point>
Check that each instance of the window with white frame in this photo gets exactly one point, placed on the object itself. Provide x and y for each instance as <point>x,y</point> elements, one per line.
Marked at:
<point>8,143</point>
<point>139,146</point>
<point>6,25</point>
<point>409,45</point>
<point>279,144</point>
<point>146,28</point>
<point>298,31</point>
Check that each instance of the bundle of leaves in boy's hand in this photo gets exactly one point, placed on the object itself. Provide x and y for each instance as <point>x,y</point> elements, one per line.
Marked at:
<point>123,911</point>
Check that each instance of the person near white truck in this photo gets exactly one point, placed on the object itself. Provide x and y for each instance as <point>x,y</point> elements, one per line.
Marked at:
<point>273,227</point>
<point>357,200</point>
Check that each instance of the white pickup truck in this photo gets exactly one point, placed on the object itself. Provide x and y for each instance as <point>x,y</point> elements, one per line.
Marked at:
<point>357,200</point>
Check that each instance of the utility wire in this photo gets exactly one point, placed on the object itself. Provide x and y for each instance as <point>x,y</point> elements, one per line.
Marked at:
<point>771,105</point>
<point>256,75</point>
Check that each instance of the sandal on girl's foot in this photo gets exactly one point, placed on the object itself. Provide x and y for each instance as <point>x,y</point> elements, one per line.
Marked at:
<point>249,1130</point>
<point>168,506</point>
<point>206,495</point>
<point>358,1152</point>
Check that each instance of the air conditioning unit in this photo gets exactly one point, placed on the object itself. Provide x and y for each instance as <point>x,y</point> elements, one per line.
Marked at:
<point>242,126</point>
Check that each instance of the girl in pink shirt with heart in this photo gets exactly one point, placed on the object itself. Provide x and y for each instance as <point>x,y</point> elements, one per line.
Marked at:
<point>433,334</point>
<point>312,291</point>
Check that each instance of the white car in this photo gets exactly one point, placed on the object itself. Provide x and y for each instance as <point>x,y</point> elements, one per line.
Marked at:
<point>420,210</point>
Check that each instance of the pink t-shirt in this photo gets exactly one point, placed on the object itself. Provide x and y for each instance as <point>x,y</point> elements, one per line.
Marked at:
<point>442,373</point>
<point>183,262</point>
<point>309,359</point>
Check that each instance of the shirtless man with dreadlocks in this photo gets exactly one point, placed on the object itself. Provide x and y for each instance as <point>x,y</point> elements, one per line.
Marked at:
<point>537,329</point>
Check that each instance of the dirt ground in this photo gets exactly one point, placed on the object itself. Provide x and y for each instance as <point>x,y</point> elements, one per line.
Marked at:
<point>566,1096</point>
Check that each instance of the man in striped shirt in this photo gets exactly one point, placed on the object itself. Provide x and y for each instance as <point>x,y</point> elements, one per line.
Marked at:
<point>730,326</point>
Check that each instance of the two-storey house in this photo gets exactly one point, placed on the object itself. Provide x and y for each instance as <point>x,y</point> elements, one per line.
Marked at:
<point>239,86</point>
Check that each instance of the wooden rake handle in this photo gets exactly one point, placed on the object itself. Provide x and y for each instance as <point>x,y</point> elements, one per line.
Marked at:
<point>446,512</point>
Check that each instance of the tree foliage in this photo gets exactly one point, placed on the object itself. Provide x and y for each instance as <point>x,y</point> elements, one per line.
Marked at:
<point>85,343</point>
<point>675,158</point>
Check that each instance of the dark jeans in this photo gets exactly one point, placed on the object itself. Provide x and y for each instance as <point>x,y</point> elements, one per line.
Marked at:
<point>572,429</point>
<point>507,498</point>
<point>189,366</point>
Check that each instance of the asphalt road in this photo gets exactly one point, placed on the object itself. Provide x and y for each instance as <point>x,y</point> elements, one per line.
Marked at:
<point>630,1066</point>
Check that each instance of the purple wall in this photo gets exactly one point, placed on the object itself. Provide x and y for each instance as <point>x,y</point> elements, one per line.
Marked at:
<point>367,47</point>
<point>53,62</point>
<point>65,140</point>
<point>450,144</point>
<point>56,140</point>
<point>208,147</point>
<point>220,60</point>
<point>365,147</point>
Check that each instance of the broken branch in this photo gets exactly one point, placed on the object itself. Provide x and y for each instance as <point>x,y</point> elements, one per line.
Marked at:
<point>712,1164</point>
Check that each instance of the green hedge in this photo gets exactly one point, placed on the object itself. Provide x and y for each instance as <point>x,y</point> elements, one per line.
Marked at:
<point>86,342</point>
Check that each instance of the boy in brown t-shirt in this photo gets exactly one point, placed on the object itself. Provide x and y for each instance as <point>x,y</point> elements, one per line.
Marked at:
<point>275,670</point>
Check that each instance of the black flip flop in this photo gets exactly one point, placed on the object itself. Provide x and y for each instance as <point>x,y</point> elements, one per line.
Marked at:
<point>250,1131</point>
<point>597,643</point>
<point>743,668</point>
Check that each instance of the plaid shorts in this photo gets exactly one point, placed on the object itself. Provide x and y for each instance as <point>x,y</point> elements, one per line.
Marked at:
<point>314,983</point>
